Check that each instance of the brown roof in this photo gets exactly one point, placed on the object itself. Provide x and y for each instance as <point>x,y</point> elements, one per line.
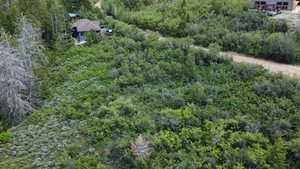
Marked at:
<point>85,25</point>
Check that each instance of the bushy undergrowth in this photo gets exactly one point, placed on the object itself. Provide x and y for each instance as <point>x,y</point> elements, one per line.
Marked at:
<point>4,137</point>
<point>194,109</point>
<point>226,22</point>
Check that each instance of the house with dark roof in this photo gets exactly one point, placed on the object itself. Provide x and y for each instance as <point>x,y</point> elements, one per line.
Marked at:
<point>82,26</point>
<point>276,4</point>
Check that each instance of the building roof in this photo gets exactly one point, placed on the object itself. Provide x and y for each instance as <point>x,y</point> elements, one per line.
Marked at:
<point>85,25</point>
<point>73,15</point>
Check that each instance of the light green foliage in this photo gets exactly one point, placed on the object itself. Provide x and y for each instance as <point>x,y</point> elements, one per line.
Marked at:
<point>39,116</point>
<point>4,137</point>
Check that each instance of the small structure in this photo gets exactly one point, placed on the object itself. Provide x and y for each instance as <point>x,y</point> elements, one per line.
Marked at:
<point>72,17</point>
<point>275,4</point>
<point>82,26</point>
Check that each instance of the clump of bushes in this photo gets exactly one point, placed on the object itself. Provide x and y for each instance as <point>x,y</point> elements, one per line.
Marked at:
<point>93,37</point>
<point>5,137</point>
<point>72,158</point>
<point>280,48</point>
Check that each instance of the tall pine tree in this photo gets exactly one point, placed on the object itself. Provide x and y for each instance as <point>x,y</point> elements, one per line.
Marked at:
<point>75,5</point>
<point>8,16</point>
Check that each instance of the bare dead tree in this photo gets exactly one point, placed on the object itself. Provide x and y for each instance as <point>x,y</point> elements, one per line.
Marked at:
<point>31,51</point>
<point>13,79</point>
<point>140,148</point>
<point>18,85</point>
<point>29,41</point>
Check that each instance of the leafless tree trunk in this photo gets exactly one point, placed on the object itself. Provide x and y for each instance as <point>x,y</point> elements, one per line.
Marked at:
<point>13,79</point>
<point>18,87</point>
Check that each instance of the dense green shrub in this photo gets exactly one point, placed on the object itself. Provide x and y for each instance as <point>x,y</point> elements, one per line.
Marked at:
<point>280,48</point>
<point>247,72</point>
<point>294,152</point>
<point>3,126</point>
<point>296,98</point>
<point>249,21</point>
<point>39,116</point>
<point>277,26</point>
<point>5,137</point>
<point>71,158</point>
<point>93,37</point>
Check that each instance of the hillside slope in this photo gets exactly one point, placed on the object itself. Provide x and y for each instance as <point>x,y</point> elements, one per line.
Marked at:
<point>194,109</point>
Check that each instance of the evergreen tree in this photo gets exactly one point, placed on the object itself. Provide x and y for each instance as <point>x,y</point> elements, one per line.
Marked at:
<point>75,5</point>
<point>8,16</point>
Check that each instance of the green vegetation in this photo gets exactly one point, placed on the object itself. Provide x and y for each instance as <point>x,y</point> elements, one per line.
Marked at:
<point>195,108</point>
<point>4,137</point>
<point>75,5</point>
<point>93,37</point>
<point>225,22</point>
<point>132,101</point>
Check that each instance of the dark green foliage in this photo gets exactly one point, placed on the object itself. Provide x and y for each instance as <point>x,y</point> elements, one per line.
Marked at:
<point>3,126</point>
<point>47,15</point>
<point>294,152</point>
<point>280,48</point>
<point>250,21</point>
<point>136,4</point>
<point>9,17</point>
<point>75,5</point>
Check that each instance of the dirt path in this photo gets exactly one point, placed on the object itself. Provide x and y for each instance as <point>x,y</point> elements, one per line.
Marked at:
<point>289,70</point>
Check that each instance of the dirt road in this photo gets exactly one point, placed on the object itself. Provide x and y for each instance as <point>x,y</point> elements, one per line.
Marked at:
<point>289,70</point>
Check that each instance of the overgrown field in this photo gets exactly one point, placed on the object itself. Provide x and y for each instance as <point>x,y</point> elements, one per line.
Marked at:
<point>225,22</point>
<point>195,109</point>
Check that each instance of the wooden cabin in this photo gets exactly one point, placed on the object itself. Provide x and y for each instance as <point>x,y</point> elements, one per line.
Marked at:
<point>82,26</point>
<point>276,4</point>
